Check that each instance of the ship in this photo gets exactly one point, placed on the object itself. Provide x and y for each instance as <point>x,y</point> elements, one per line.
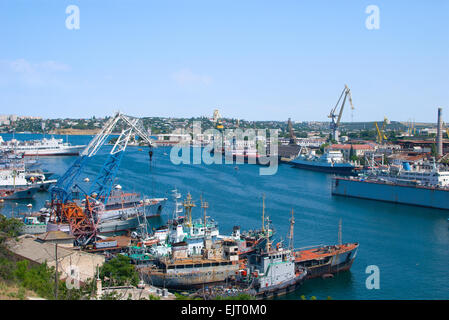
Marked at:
<point>18,177</point>
<point>33,225</point>
<point>44,147</point>
<point>122,212</point>
<point>18,193</point>
<point>409,186</point>
<point>271,273</point>
<point>182,271</point>
<point>192,231</point>
<point>322,261</point>
<point>332,161</point>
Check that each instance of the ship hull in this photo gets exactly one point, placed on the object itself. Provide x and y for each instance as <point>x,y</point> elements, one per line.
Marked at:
<point>345,170</point>
<point>320,271</point>
<point>33,229</point>
<point>318,262</point>
<point>186,279</point>
<point>394,193</point>
<point>70,151</point>
<point>27,193</point>
<point>280,289</point>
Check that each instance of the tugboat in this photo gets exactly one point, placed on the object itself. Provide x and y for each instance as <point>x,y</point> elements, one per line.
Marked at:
<point>270,272</point>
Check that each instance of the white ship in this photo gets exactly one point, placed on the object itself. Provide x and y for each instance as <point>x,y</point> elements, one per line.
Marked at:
<point>44,147</point>
<point>18,177</point>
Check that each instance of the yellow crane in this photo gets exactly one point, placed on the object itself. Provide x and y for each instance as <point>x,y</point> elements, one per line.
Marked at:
<point>381,132</point>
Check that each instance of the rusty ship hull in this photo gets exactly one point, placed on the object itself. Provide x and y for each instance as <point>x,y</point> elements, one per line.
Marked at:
<point>321,261</point>
<point>185,276</point>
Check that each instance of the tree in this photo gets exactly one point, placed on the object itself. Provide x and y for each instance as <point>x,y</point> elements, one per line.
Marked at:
<point>119,271</point>
<point>433,150</point>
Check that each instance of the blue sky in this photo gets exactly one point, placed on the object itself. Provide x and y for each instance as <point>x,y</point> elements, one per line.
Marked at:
<point>256,60</point>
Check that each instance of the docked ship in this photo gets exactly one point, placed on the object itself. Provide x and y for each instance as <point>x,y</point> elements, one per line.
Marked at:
<point>407,185</point>
<point>33,225</point>
<point>192,232</point>
<point>332,161</point>
<point>44,147</point>
<point>19,178</point>
<point>18,193</point>
<point>326,260</point>
<point>180,270</point>
<point>123,212</point>
<point>271,273</point>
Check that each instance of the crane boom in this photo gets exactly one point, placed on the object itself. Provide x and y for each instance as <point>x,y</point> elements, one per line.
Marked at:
<point>335,119</point>
<point>62,190</point>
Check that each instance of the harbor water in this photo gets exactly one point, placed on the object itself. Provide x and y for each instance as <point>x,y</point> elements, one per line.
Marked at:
<point>409,245</point>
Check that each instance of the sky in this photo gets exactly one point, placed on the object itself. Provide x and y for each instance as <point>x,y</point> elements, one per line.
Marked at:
<point>253,60</point>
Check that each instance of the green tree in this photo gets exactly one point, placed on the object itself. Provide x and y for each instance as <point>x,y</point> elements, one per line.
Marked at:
<point>119,271</point>
<point>433,150</point>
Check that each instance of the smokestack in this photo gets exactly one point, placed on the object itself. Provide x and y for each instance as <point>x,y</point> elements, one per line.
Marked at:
<point>440,133</point>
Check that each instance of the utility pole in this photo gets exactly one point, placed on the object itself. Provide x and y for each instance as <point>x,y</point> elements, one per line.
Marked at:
<point>56,271</point>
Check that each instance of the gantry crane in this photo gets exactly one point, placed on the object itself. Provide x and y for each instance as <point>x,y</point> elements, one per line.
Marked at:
<point>83,221</point>
<point>335,119</point>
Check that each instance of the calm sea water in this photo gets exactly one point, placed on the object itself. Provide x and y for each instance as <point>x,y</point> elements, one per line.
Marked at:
<point>410,245</point>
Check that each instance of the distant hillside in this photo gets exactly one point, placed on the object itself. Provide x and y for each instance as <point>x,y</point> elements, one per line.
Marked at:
<point>393,125</point>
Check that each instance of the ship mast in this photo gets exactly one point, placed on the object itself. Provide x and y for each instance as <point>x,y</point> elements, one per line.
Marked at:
<point>188,205</point>
<point>267,235</point>
<point>205,205</point>
<point>290,237</point>
<point>263,212</point>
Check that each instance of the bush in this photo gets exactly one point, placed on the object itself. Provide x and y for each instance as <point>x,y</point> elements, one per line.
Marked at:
<point>39,279</point>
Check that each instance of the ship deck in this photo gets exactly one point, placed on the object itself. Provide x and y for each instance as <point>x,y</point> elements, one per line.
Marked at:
<point>323,252</point>
<point>391,183</point>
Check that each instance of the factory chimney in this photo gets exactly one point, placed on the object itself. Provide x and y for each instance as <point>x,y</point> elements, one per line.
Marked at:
<point>440,133</point>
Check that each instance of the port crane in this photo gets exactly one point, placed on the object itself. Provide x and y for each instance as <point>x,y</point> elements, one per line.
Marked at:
<point>65,209</point>
<point>381,131</point>
<point>335,118</point>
